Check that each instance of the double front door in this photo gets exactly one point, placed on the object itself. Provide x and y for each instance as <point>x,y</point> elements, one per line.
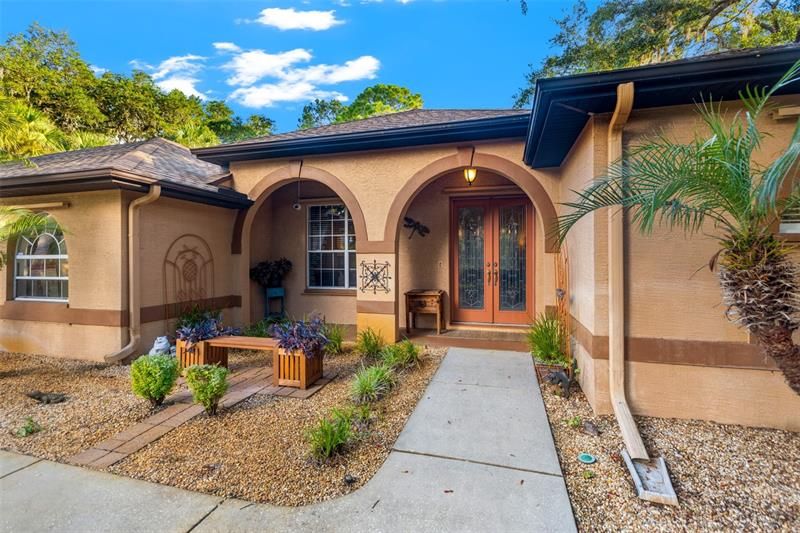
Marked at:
<point>492,260</point>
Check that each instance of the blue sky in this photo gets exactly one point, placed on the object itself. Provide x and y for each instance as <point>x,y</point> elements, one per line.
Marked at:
<point>271,57</point>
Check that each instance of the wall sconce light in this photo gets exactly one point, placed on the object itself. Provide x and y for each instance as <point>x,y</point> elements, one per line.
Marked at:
<point>470,173</point>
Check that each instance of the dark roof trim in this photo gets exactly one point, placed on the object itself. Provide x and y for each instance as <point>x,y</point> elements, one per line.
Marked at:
<point>103,179</point>
<point>513,126</point>
<point>563,105</point>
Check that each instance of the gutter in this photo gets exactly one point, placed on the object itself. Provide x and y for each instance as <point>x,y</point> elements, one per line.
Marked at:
<point>134,305</point>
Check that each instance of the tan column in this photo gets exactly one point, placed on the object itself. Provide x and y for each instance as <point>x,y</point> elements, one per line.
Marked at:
<point>376,300</point>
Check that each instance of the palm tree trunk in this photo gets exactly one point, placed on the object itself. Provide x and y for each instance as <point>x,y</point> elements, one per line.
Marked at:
<point>776,342</point>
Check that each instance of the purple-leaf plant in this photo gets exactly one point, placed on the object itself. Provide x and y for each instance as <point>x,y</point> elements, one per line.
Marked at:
<point>207,328</point>
<point>307,336</point>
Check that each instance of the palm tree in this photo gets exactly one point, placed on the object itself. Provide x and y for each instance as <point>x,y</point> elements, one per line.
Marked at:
<point>714,180</point>
<point>16,222</point>
<point>26,132</point>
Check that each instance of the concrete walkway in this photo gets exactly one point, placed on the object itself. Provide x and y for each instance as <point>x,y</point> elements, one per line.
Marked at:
<point>476,455</point>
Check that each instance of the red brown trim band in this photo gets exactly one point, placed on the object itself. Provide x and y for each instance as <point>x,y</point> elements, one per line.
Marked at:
<point>724,354</point>
<point>62,313</point>
<point>154,313</point>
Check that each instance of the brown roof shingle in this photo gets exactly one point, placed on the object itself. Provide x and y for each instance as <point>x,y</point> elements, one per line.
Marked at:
<point>156,158</point>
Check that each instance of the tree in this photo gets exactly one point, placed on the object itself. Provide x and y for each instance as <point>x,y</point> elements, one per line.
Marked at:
<point>230,128</point>
<point>184,120</point>
<point>16,222</point>
<point>626,33</point>
<point>131,105</point>
<point>714,180</point>
<point>320,113</point>
<point>44,69</point>
<point>26,132</point>
<point>379,99</point>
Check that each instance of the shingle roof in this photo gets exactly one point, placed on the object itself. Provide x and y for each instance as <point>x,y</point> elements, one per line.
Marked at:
<point>391,121</point>
<point>156,158</point>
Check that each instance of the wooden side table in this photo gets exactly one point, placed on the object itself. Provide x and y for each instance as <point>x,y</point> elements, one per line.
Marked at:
<point>428,302</point>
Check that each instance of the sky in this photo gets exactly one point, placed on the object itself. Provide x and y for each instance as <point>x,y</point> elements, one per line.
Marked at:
<point>273,56</point>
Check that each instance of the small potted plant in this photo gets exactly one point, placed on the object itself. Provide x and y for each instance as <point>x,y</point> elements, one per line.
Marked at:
<point>270,274</point>
<point>191,347</point>
<point>298,360</point>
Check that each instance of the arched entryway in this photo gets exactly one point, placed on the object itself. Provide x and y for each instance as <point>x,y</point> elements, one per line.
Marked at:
<point>486,245</point>
<point>310,217</point>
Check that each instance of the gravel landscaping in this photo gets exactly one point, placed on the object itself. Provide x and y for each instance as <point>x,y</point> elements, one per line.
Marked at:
<point>727,478</point>
<point>257,451</point>
<point>99,404</point>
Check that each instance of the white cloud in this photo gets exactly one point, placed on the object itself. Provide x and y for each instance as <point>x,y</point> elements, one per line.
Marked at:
<point>188,64</point>
<point>269,94</point>
<point>362,68</point>
<point>176,72</point>
<point>186,85</point>
<point>291,19</point>
<point>226,47</point>
<point>98,71</point>
<point>250,66</point>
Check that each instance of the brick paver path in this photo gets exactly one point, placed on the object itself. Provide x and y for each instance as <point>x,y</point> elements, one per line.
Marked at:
<point>242,385</point>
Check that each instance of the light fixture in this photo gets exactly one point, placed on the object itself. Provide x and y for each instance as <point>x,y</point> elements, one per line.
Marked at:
<point>470,173</point>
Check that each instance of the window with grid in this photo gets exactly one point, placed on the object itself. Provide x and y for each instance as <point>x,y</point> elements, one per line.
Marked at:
<point>41,268</point>
<point>331,248</point>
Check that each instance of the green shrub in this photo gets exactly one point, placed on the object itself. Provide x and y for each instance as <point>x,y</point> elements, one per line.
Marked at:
<point>331,434</point>
<point>208,384</point>
<point>154,376</point>
<point>335,335</point>
<point>574,422</point>
<point>30,427</point>
<point>372,383</point>
<point>196,315</point>
<point>369,343</point>
<point>546,338</point>
<point>401,355</point>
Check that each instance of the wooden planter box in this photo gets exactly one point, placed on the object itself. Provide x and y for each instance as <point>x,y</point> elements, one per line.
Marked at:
<point>201,353</point>
<point>294,369</point>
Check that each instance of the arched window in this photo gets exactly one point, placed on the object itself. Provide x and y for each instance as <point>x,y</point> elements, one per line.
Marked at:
<point>41,269</point>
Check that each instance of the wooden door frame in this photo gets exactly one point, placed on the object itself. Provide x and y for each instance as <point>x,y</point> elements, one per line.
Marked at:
<point>490,203</point>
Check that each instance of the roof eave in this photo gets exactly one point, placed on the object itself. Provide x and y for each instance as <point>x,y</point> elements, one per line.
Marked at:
<point>680,74</point>
<point>513,126</point>
<point>109,178</point>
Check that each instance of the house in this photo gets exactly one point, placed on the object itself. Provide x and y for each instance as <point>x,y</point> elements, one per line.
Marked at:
<point>152,227</point>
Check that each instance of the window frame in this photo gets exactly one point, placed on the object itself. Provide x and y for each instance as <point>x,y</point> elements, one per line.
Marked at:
<point>348,219</point>
<point>53,231</point>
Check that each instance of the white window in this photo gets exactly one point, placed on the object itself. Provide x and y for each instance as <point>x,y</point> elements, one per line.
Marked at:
<point>331,248</point>
<point>41,269</point>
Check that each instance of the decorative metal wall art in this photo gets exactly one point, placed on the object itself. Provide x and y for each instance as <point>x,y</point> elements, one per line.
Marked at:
<point>375,276</point>
<point>415,227</point>
<point>188,272</point>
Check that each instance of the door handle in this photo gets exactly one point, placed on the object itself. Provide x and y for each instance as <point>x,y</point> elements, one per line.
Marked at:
<point>489,273</point>
<point>495,273</point>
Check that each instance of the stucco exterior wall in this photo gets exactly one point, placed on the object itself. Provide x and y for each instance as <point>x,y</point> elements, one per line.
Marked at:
<point>95,227</point>
<point>670,296</point>
<point>172,225</point>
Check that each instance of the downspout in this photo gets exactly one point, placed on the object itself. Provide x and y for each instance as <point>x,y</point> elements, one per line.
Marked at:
<point>134,311</point>
<point>616,288</point>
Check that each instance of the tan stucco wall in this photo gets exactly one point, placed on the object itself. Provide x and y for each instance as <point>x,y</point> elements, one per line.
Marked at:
<point>95,227</point>
<point>161,224</point>
<point>670,293</point>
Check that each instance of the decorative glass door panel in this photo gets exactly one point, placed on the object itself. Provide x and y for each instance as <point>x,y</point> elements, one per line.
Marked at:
<point>492,260</point>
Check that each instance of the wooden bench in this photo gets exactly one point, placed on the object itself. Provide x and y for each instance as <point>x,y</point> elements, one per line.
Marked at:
<point>215,351</point>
